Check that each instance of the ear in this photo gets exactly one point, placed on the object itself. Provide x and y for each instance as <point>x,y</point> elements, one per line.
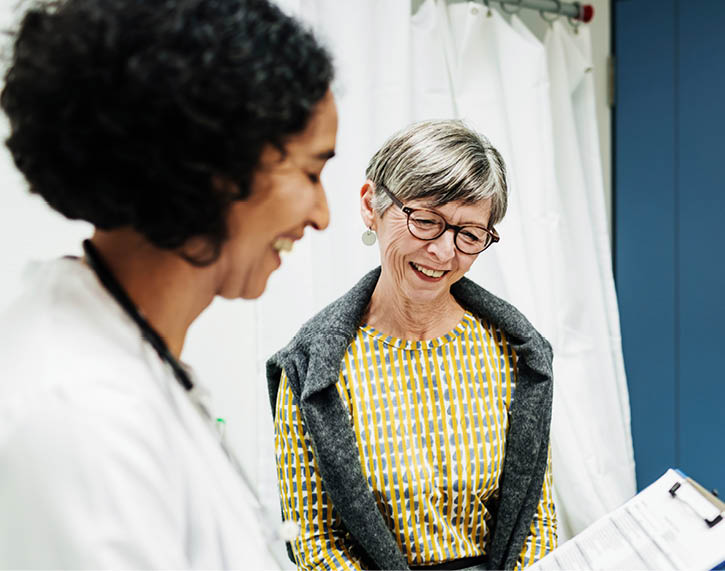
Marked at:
<point>224,185</point>
<point>367,193</point>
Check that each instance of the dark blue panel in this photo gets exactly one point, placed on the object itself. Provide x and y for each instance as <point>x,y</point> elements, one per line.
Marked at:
<point>702,238</point>
<point>645,215</point>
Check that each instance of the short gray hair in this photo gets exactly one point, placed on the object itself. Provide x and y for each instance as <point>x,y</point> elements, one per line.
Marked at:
<point>444,161</point>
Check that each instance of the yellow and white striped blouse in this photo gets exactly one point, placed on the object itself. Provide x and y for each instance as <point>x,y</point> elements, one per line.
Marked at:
<point>431,419</point>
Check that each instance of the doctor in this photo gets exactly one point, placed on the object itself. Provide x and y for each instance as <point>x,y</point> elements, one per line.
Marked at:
<point>192,135</point>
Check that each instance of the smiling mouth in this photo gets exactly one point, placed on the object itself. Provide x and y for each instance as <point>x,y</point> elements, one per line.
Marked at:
<point>428,272</point>
<point>283,244</point>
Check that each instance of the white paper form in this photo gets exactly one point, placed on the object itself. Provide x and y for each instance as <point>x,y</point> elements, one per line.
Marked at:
<point>653,530</point>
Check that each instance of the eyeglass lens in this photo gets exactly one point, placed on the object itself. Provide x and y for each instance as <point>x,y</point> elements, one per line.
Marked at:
<point>428,225</point>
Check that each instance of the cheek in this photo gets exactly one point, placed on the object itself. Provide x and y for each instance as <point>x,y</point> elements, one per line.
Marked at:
<point>247,241</point>
<point>465,262</point>
<point>395,247</point>
<point>395,243</point>
<point>393,259</point>
<point>279,198</point>
<point>243,239</point>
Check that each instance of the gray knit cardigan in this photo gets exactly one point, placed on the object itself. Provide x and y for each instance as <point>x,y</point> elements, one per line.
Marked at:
<point>312,362</point>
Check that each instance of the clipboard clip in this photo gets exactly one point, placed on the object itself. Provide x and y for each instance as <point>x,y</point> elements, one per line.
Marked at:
<point>702,503</point>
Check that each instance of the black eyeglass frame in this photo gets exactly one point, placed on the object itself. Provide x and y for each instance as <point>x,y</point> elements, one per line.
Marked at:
<point>456,229</point>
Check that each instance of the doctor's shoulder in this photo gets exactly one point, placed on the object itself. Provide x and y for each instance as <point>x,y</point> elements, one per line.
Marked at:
<point>72,399</point>
<point>61,331</point>
<point>88,470</point>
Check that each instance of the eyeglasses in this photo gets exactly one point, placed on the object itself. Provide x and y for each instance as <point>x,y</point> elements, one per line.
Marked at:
<point>429,225</point>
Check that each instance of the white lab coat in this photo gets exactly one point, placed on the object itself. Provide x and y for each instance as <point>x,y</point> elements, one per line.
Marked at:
<point>104,460</point>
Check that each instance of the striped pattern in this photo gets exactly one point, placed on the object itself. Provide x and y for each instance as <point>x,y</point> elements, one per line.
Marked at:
<point>431,419</point>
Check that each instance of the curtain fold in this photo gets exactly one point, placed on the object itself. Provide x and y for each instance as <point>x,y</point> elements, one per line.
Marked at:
<point>591,399</point>
<point>535,101</point>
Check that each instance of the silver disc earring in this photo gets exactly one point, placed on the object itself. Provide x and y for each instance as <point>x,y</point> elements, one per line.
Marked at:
<point>369,237</point>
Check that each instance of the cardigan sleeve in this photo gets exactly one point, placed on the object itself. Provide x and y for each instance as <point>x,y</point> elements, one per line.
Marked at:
<point>322,543</point>
<point>543,535</point>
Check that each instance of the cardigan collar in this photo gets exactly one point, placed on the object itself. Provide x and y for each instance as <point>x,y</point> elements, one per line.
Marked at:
<point>335,326</point>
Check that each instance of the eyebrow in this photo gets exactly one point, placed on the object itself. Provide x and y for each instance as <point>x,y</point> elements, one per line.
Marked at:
<point>429,206</point>
<point>325,155</point>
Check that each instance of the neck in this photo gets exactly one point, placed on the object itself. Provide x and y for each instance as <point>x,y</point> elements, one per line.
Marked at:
<point>168,291</point>
<point>395,314</point>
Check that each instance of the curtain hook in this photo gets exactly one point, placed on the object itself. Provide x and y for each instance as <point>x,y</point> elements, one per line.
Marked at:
<point>512,12</point>
<point>488,8</point>
<point>556,15</point>
<point>574,23</point>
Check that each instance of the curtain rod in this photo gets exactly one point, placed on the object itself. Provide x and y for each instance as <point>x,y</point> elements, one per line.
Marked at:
<point>574,10</point>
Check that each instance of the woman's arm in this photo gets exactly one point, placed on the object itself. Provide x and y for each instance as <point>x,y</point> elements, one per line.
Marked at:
<point>322,543</point>
<point>542,537</point>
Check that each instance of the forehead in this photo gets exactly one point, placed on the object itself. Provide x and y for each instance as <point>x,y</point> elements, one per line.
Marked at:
<point>317,139</point>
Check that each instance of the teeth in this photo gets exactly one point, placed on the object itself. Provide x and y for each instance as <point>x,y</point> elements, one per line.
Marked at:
<point>283,245</point>
<point>429,273</point>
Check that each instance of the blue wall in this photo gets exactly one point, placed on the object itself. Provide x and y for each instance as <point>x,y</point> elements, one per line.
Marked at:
<point>670,231</point>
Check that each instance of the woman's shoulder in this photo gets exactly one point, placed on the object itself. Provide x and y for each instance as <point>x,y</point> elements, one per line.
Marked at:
<point>525,338</point>
<point>482,302</point>
<point>64,334</point>
<point>322,341</point>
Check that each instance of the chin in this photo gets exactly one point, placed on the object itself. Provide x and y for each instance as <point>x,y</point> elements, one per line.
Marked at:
<point>253,282</point>
<point>245,290</point>
<point>255,291</point>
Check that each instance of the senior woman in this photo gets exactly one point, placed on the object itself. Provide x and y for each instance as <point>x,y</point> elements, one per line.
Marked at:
<point>191,134</point>
<point>412,415</point>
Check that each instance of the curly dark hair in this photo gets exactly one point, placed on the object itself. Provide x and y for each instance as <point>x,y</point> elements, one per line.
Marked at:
<point>122,112</point>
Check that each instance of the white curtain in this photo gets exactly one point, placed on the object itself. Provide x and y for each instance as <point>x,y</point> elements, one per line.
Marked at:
<point>535,102</point>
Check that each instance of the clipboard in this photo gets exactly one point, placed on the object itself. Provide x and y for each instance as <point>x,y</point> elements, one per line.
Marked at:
<point>704,503</point>
<point>674,523</point>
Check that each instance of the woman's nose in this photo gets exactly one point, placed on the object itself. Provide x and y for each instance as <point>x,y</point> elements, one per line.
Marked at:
<point>320,214</point>
<point>444,247</point>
